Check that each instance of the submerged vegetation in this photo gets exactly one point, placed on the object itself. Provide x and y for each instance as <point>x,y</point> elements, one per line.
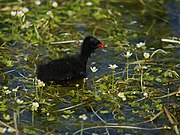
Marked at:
<point>136,89</point>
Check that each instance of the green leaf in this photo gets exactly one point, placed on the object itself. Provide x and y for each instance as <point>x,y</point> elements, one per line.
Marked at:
<point>69,112</point>
<point>104,111</point>
<point>65,116</point>
<point>146,106</point>
<point>121,118</point>
<point>159,107</point>
<point>51,118</point>
<point>158,79</point>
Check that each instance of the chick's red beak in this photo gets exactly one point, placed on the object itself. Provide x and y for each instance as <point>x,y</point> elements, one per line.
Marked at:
<point>102,45</point>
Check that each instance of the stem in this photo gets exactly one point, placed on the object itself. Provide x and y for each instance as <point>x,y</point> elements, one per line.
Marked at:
<point>82,128</point>
<point>33,118</point>
<point>17,111</point>
<point>83,86</point>
<point>168,93</point>
<point>127,69</point>
<point>37,95</point>
<point>40,96</point>
<point>15,123</point>
<point>113,79</point>
<point>15,96</point>
<point>142,79</point>
<point>93,80</point>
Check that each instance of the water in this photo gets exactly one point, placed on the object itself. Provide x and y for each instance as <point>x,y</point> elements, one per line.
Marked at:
<point>125,24</point>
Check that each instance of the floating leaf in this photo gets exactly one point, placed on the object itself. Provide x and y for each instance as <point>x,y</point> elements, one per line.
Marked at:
<point>66,116</point>
<point>104,111</point>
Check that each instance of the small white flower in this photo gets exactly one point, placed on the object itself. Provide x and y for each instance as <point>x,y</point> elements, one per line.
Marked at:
<point>40,83</point>
<point>11,130</point>
<point>85,79</point>
<point>35,106</point>
<point>139,45</point>
<point>124,98</point>
<point>94,69</point>
<point>13,13</point>
<point>18,101</point>
<point>77,85</point>
<point>15,89</point>
<point>89,3</point>
<point>26,25</point>
<point>50,13</point>
<point>5,87</point>
<point>54,4</point>
<point>146,55</point>
<point>2,130</point>
<point>121,94</point>
<point>112,66</point>
<point>7,92</point>
<point>128,54</point>
<point>83,117</point>
<point>145,94</point>
<point>37,2</point>
<point>144,67</point>
<point>25,9</point>
<point>20,13</point>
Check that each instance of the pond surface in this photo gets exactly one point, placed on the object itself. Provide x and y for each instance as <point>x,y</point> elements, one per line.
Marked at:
<point>140,96</point>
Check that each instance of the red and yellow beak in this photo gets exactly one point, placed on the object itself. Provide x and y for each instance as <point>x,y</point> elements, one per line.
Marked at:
<point>102,45</point>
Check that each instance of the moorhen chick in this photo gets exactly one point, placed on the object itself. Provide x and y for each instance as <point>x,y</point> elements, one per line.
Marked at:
<point>69,68</point>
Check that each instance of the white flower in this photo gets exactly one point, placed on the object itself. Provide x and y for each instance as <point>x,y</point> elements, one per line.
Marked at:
<point>128,54</point>
<point>11,130</point>
<point>15,89</point>
<point>144,67</point>
<point>7,92</point>
<point>145,94</point>
<point>50,13</point>
<point>27,24</point>
<point>94,69</point>
<point>77,85</point>
<point>54,4</point>
<point>5,87</point>
<point>89,3</point>
<point>25,9</point>
<point>112,67</point>
<point>83,116</point>
<point>35,106</point>
<point>2,130</point>
<point>85,79</point>
<point>20,13</point>
<point>18,101</point>
<point>40,83</point>
<point>146,55</point>
<point>13,13</point>
<point>139,45</point>
<point>121,94</point>
<point>37,2</point>
<point>124,98</point>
